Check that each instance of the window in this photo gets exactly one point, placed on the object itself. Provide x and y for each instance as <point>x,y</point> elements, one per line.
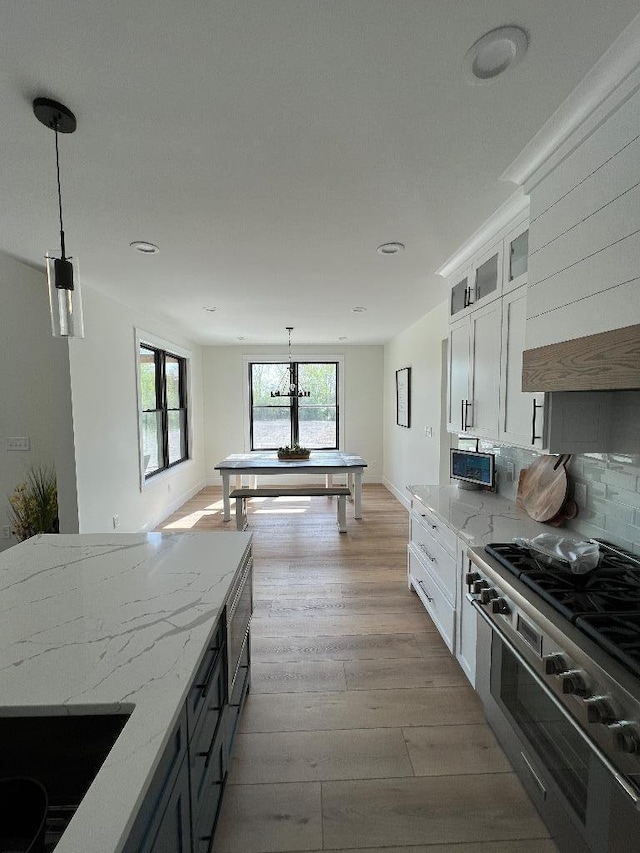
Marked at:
<point>163,408</point>
<point>310,421</point>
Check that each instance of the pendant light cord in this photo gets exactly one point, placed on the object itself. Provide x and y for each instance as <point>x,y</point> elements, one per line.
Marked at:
<point>62,246</point>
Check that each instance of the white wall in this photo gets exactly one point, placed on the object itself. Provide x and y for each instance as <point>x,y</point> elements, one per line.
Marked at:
<point>409,456</point>
<point>225,378</point>
<point>34,389</point>
<point>103,384</point>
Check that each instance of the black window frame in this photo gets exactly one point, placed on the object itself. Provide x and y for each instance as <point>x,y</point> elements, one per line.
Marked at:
<point>162,407</point>
<point>294,403</point>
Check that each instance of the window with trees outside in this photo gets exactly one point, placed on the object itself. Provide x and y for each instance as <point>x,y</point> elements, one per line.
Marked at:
<point>310,421</point>
<point>163,409</point>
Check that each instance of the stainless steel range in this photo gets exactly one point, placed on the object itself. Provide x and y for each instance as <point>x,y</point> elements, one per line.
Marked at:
<point>558,671</point>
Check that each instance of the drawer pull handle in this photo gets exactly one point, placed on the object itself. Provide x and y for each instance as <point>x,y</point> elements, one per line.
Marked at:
<point>434,526</point>
<point>425,591</point>
<point>433,559</point>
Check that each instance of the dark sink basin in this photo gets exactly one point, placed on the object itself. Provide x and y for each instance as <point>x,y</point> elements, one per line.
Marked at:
<point>63,753</point>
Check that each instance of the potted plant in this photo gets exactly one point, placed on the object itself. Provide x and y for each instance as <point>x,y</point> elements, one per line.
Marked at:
<point>34,504</point>
<point>293,452</point>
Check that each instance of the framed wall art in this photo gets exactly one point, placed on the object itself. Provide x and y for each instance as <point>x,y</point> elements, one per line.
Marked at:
<point>403,397</point>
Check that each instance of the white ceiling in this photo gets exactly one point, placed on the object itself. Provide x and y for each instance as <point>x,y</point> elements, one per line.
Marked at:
<point>269,146</point>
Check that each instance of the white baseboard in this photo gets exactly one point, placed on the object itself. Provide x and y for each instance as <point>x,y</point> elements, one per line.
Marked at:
<point>404,500</point>
<point>175,504</point>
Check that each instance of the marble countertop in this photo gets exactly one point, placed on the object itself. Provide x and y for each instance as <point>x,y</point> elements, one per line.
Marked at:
<point>478,517</point>
<point>110,623</point>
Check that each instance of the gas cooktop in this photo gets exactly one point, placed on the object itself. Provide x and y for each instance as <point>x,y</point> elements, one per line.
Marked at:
<point>603,603</point>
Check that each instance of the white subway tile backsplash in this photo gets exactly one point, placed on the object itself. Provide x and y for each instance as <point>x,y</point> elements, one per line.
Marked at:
<point>612,509</point>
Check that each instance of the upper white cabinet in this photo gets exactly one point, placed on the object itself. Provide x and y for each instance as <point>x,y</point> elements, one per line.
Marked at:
<point>516,258</point>
<point>474,364</point>
<point>486,340</point>
<point>486,276</point>
<point>460,298</point>
<point>521,414</point>
<point>584,245</point>
<point>458,374</point>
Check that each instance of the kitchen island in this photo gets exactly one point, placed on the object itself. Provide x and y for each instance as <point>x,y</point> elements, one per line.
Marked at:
<point>95,624</point>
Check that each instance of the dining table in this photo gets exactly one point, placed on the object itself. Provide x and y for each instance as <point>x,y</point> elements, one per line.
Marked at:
<point>259,463</point>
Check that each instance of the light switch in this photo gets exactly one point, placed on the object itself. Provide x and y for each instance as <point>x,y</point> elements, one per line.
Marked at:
<point>18,443</point>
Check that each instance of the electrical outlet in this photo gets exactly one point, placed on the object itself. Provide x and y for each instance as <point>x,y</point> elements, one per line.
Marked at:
<point>116,522</point>
<point>580,494</point>
<point>5,531</point>
<point>18,443</point>
<point>428,431</point>
<point>509,471</point>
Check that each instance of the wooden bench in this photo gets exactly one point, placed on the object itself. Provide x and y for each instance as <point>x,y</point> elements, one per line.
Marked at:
<point>241,495</point>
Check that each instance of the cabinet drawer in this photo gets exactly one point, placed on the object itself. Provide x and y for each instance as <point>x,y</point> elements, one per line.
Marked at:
<point>202,742</point>
<point>440,532</point>
<point>432,555</point>
<point>205,808</point>
<point>432,596</point>
<point>197,697</point>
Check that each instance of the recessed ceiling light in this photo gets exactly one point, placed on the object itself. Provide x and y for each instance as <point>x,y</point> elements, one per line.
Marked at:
<point>210,308</point>
<point>358,309</point>
<point>492,54</point>
<point>241,338</point>
<point>390,248</point>
<point>144,247</point>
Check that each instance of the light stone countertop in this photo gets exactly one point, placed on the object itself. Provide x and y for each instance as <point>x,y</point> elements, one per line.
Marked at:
<point>478,517</point>
<point>110,623</point>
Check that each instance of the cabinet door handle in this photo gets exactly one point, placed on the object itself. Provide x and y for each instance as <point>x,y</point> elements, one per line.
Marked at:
<point>461,415</point>
<point>465,406</point>
<point>428,597</point>
<point>536,406</point>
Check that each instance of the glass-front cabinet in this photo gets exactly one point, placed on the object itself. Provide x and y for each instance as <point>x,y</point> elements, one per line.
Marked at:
<point>460,296</point>
<point>516,255</point>
<point>486,276</point>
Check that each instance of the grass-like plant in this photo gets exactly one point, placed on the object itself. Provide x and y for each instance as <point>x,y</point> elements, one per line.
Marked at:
<point>34,504</point>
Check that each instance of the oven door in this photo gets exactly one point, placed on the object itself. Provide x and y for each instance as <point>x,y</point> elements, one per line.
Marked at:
<point>576,795</point>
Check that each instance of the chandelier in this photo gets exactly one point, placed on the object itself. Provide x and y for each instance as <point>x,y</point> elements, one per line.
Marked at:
<point>292,388</point>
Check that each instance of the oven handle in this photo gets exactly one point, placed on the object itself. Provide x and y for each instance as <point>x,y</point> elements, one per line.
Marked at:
<point>626,786</point>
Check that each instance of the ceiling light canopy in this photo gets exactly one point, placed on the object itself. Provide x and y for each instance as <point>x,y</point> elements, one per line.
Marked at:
<point>144,247</point>
<point>494,53</point>
<point>291,388</point>
<point>65,303</point>
<point>359,309</point>
<point>390,248</point>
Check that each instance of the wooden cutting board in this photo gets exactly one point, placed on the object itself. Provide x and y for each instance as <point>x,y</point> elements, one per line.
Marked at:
<point>543,490</point>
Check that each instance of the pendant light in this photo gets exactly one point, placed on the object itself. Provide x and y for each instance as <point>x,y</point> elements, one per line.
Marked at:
<point>65,301</point>
<point>292,389</point>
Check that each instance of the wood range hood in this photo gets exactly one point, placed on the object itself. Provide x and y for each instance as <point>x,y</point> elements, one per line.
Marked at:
<point>608,361</point>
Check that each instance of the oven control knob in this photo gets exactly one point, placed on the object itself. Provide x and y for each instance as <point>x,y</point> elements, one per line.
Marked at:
<point>598,710</point>
<point>487,595</point>
<point>625,736</point>
<point>554,664</point>
<point>573,683</point>
<point>478,586</point>
<point>471,577</point>
<point>499,605</point>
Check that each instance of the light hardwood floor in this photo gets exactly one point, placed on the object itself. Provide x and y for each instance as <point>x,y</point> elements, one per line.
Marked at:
<point>361,731</point>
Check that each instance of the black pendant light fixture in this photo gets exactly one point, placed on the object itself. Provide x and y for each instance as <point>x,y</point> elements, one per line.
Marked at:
<point>292,389</point>
<point>62,270</point>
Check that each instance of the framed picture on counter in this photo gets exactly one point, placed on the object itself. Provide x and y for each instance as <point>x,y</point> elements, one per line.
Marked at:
<point>403,397</point>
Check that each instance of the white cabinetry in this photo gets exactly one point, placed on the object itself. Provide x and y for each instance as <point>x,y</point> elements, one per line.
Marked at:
<point>466,620</point>
<point>432,569</point>
<point>521,414</point>
<point>474,365</point>
<point>437,564</point>
<point>486,340</point>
